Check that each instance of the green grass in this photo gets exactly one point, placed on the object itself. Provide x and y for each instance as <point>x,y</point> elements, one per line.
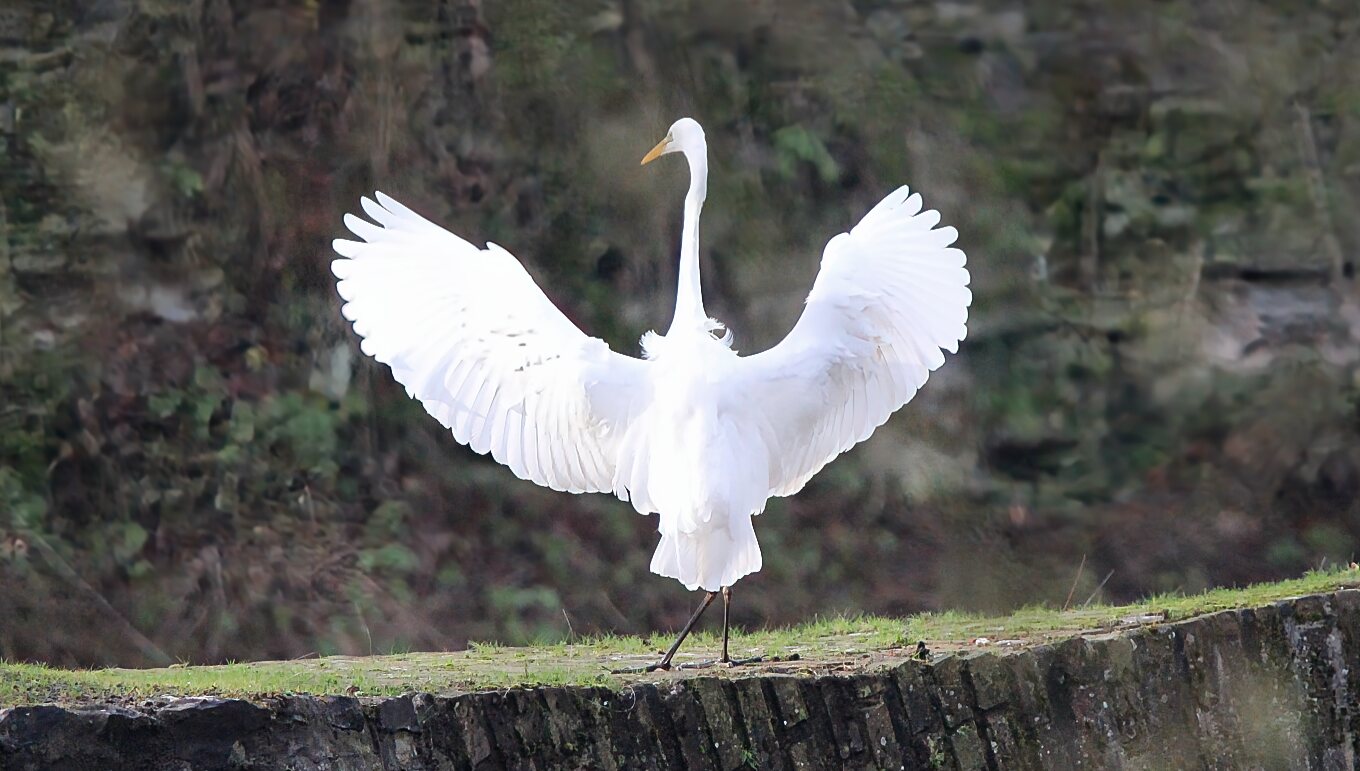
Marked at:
<point>834,644</point>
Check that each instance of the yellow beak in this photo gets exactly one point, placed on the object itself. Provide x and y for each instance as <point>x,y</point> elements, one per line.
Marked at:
<point>657,151</point>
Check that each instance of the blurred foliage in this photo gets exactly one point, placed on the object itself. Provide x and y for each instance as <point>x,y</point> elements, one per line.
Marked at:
<point>1160,383</point>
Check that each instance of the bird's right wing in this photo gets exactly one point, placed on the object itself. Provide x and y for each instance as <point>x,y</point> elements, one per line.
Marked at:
<point>474,339</point>
<point>890,295</point>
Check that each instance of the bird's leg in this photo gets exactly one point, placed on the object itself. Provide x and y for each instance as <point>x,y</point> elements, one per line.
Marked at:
<point>727,605</point>
<point>665,662</point>
<point>727,660</point>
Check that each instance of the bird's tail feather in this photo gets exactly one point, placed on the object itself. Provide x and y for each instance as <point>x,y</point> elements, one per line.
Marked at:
<point>709,559</point>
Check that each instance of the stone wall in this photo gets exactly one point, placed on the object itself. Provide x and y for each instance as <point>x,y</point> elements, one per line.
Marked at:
<point>1267,687</point>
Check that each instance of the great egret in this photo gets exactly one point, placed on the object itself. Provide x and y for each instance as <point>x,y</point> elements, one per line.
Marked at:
<point>691,431</point>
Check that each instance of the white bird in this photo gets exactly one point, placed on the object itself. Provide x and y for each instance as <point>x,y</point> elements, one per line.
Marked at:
<point>691,431</point>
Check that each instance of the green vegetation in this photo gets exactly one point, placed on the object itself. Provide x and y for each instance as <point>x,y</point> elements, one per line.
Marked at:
<point>197,464</point>
<point>837,644</point>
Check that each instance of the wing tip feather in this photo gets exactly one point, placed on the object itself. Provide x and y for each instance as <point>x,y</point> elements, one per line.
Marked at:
<point>346,248</point>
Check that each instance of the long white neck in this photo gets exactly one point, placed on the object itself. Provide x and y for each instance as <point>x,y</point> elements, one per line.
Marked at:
<point>689,300</point>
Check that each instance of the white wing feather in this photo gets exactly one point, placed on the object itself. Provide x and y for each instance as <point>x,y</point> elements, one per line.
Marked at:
<point>474,339</point>
<point>890,295</point>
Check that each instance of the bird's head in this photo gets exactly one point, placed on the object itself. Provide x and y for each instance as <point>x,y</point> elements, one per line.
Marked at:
<point>685,136</point>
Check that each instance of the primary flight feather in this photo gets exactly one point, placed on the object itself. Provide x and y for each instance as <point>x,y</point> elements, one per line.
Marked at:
<point>692,432</point>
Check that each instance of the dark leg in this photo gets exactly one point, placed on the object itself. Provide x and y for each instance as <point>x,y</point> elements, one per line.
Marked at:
<point>665,662</point>
<point>727,605</point>
<point>726,659</point>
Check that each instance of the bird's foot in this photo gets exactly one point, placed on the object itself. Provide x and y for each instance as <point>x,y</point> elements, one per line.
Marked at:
<point>729,663</point>
<point>725,663</point>
<point>664,666</point>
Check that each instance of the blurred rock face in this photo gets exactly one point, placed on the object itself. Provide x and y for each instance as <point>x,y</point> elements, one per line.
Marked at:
<point>1160,385</point>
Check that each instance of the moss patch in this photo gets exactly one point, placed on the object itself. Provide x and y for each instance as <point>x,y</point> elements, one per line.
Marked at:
<point>830,645</point>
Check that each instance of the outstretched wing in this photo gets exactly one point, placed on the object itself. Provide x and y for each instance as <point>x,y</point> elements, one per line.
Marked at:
<point>473,338</point>
<point>890,295</point>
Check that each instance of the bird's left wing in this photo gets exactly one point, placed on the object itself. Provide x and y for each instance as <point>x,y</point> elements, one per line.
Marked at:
<point>474,339</point>
<point>890,295</point>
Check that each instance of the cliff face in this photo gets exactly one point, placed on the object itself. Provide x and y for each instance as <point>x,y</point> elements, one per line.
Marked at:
<point>1266,687</point>
<point>1161,373</point>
